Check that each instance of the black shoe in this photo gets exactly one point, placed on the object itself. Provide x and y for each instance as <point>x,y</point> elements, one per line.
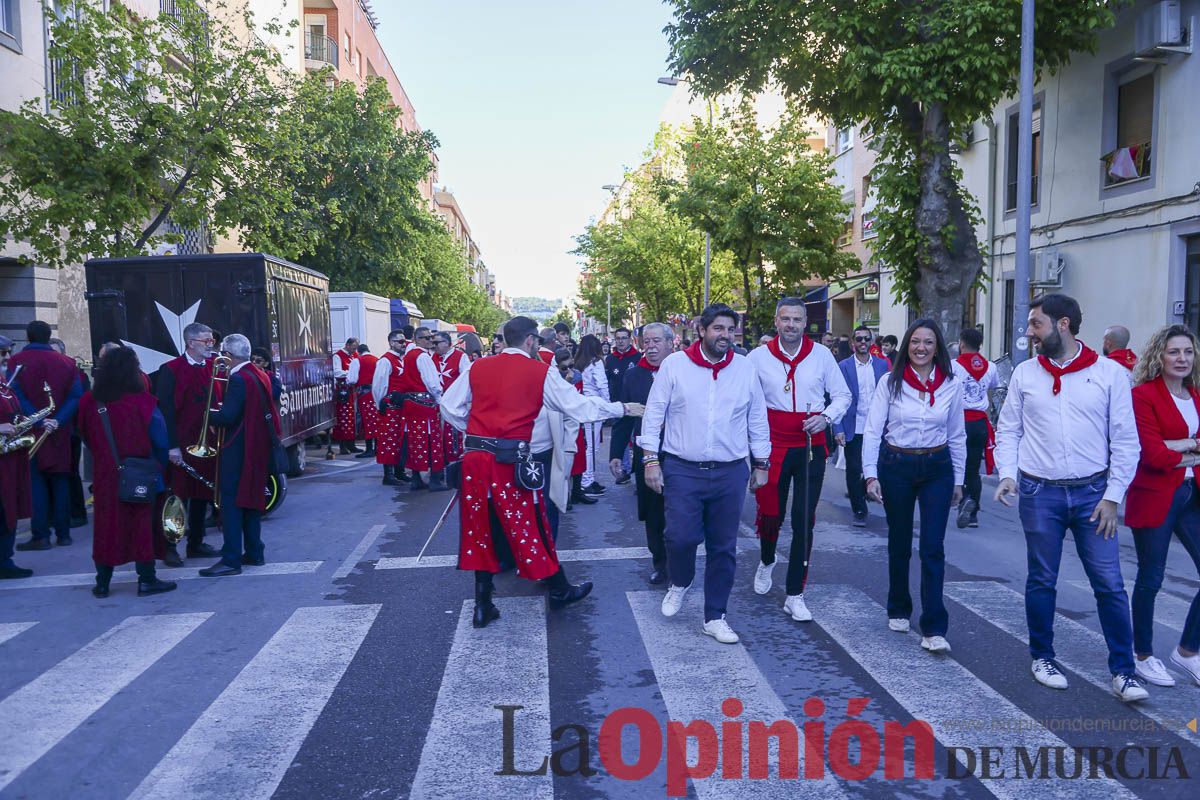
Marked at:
<point>171,557</point>
<point>436,484</point>
<point>100,590</point>
<point>966,510</point>
<point>389,476</point>
<point>353,447</point>
<point>65,540</point>
<point>417,483</point>
<point>485,611</point>
<point>344,449</point>
<point>155,586</point>
<point>8,573</point>
<point>572,594</point>
<point>36,544</point>
<point>202,550</point>
<point>583,499</point>
<point>220,570</point>
<point>860,519</point>
<point>368,453</point>
<point>624,479</point>
<point>252,562</point>
<point>595,488</point>
<point>658,577</point>
<point>974,521</point>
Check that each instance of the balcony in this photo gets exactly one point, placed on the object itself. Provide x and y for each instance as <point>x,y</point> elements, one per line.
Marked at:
<point>320,48</point>
<point>65,80</point>
<point>1126,164</point>
<point>178,10</point>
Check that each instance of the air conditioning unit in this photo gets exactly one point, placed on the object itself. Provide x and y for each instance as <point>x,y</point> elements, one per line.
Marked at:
<point>1160,29</point>
<point>1046,268</point>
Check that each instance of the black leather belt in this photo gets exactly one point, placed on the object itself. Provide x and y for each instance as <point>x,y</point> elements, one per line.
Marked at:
<point>916,451</point>
<point>491,444</point>
<point>1068,482</point>
<point>702,464</point>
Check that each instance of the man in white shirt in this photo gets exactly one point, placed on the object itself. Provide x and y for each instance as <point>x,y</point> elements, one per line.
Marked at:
<point>862,373</point>
<point>796,376</point>
<point>979,380</point>
<point>344,400</point>
<point>706,408</point>
<point>1067,434</point>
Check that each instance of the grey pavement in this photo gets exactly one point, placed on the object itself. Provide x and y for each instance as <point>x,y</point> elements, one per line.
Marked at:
<point>346,669</point>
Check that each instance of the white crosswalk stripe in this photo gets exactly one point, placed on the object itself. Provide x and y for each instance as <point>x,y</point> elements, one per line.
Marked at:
<point>490,667</point>
<point>10,629</point>
<point>252,731</point>
<point>58,701</point>
<point>176,574</point>
<point>1169,611</point>
<point>943,693</point>
<point>1076,646</point>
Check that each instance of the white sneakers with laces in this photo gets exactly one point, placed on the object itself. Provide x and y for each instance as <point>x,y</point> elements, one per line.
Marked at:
<point>1189,664</point>
<point>719,629</point>
<point>762,577</point>
<point>1047,674</point>
<point>673,600</point>
<point>1127,689</point>
<point>1152,671</point>
<point>935,644</point>
<point>898,625</point>
<point>795,606</point>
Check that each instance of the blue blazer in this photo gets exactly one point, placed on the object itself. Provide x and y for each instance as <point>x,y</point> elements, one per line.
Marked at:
<point>850,373</point>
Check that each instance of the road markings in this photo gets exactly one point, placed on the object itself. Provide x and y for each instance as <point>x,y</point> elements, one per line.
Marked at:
<point>244,742</point>
<point>44,711</point>
<point>695,675</point>
<point>488,667</point>
<point>1076,646</point>
<point>178,574</point>
<point>942,692</point>
<point>358,552</point>
<point>1169,611</point>
<point>10,629</point>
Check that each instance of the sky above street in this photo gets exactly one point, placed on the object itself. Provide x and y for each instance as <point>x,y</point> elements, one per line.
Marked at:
<point>537,104</point>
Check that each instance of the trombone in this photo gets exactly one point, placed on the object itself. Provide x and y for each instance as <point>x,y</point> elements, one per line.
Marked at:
<point>221,366</point>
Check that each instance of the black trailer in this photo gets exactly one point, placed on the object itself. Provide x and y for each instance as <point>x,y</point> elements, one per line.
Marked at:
<point>146,302</point>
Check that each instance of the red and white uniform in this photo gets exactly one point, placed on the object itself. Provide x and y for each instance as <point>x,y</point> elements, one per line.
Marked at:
<point>450,367</point>
<point>388,371</point>
<point>501,397</point>
<point>360,374</point>
<point>422,426</point>
<point>343,426</point>
<point>546,355</point>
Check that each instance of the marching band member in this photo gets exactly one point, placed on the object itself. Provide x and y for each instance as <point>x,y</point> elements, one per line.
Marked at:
<point>796,376</point>
<point>359,377</point>
<point>496,405</point>
<point>450,363</point>
<point>1067,445</point>
<point>707,409</point>
<point>386,391</point>
<point>914,451</point>
<point>421,389</point>
<point>979,379</point>
<point>15,492</point>
<point>344,398</point>
<point>182,391</point>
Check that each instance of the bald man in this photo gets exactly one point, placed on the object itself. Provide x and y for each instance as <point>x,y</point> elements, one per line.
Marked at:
<point>1116,347</point>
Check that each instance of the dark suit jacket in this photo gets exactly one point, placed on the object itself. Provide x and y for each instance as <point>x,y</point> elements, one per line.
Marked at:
<point>635,388</point>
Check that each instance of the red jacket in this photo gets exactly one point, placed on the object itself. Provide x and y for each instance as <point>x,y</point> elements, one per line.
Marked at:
<point>1158,474</point>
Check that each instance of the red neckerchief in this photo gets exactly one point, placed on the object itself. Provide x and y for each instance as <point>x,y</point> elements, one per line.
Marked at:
<point>1125,357</point>
<point>644,363</point>
<point>630,353</point>
<point>1085,359</point>
<point>975,365</point>
<point>806,347</point>
<point>936,379</point>
<point>698,358</point>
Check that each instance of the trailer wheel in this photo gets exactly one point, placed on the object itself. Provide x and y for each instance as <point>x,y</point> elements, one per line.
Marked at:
<point>275,491</point>
<point>297,460</point>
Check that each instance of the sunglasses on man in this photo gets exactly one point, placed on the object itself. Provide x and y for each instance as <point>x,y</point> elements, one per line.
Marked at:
<point>862,338</point>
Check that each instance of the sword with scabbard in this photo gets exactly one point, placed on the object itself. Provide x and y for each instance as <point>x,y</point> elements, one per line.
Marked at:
<point>452,475</point>
<point>804,515</point>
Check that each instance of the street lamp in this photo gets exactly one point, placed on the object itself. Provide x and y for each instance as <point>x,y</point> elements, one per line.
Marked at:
<point>1020,343</point>
<point>671,80</point>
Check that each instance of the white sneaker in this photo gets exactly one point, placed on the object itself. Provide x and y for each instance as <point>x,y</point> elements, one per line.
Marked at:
<point>1189,664</point>
<point>719,629</point>
<point>1045,673</point>
<point>795,606</point>
<point>935,644</point>
<point>1127,689</point>
<point>762,577</point>
<point>898,625</point>
<point>1152,671</point>
<point>673,600</point>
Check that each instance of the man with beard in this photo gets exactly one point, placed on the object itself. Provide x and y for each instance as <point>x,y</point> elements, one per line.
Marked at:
<point>385,385</point>
<point>862,371</point>
<point>1067,444</point>
<point>707,410</point>
<point>657,339</point>
<point>796,378</point>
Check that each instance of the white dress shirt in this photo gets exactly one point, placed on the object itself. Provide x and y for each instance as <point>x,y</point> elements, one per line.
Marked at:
<point>379,381</point>
<point>1187,410</point>
<point>865,373</point>
<point>556,393</point>
<point>352,373</point>
<point>338,372</point>
<point>975,392</point>
<point>700,419</point>
<point>1086,428</point>
<point>816,375</point>
<point>912,423</point>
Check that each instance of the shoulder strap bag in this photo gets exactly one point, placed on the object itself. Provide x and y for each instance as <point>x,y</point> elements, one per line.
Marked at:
<point>137,478</point>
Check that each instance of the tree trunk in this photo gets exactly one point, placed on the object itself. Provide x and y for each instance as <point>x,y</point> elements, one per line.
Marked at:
<point>950,261</point>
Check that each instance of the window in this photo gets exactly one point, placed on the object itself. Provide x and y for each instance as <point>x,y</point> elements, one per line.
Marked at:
<point>1192,272</point>
<point>1130,159</point>
<point>971,312</point>
<point>358,62</point>
<point>842,140</point>
<point>1010,299</point>
<point>10,24</point>
<point>346,39</point>
<point>1010,197</point>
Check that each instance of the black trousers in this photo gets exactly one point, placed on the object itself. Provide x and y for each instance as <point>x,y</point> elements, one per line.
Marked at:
<point>197,514</point>
<point>976,445</point>
<point>652,511</point>
<point>796,469</point>
<point>854,475</point>
<point>78,501</point>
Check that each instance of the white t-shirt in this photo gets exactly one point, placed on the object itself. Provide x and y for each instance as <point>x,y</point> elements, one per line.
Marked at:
<point>1188,409</point>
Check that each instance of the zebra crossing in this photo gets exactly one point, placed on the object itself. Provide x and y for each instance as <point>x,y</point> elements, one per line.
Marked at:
<point>257,724</point>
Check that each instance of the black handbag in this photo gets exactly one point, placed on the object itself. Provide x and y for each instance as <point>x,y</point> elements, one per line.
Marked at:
<point>530,475</point>
<point>277,461</point>
<point>137,478</point>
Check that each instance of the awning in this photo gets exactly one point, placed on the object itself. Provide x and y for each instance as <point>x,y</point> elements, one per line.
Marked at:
<point>838,288</point>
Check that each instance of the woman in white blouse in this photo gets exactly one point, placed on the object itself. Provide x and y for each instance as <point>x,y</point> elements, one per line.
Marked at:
<point>915,452</point>
<point>590,360</point>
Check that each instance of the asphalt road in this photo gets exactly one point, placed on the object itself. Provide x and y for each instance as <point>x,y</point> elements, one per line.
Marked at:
<point>344,669</point>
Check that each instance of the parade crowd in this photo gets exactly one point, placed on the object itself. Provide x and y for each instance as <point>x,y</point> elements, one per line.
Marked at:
<point>522,433</point>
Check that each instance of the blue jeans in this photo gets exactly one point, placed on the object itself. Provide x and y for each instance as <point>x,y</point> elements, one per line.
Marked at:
<point>51,503</point>
<point>1183,520</point>
<point>243,531</point>
<point>1047,513</point>
<point>704,506</point>
<point>907,480</point>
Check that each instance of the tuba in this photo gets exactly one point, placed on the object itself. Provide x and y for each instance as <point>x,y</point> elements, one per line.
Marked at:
<point>174,520</point>
<point>20,438</point>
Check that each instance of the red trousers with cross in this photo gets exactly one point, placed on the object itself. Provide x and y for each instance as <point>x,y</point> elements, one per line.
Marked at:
<point>490,487</point>
<point>390,441</point>
<point>368,412</point>
<point>424,438</point>
<point>343,426</point>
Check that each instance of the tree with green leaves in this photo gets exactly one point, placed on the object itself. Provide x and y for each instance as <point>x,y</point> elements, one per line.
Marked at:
<point>913,75</point>
<point>147,120</point>
<point>766,199</point>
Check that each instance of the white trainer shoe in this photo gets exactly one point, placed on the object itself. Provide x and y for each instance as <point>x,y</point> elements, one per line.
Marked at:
<point>1189,664</point>
<point>1127,689</point>
<point>762,577</point>
<point>1152,671</point>
<point>795,606</point>
<point>935,644</point>
<point>719,629</point>
<point>673,600</point>
<point>898,625</point>
<point>1045,673</point>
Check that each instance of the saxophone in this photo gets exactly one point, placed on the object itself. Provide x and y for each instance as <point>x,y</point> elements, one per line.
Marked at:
<point>20,438</point>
